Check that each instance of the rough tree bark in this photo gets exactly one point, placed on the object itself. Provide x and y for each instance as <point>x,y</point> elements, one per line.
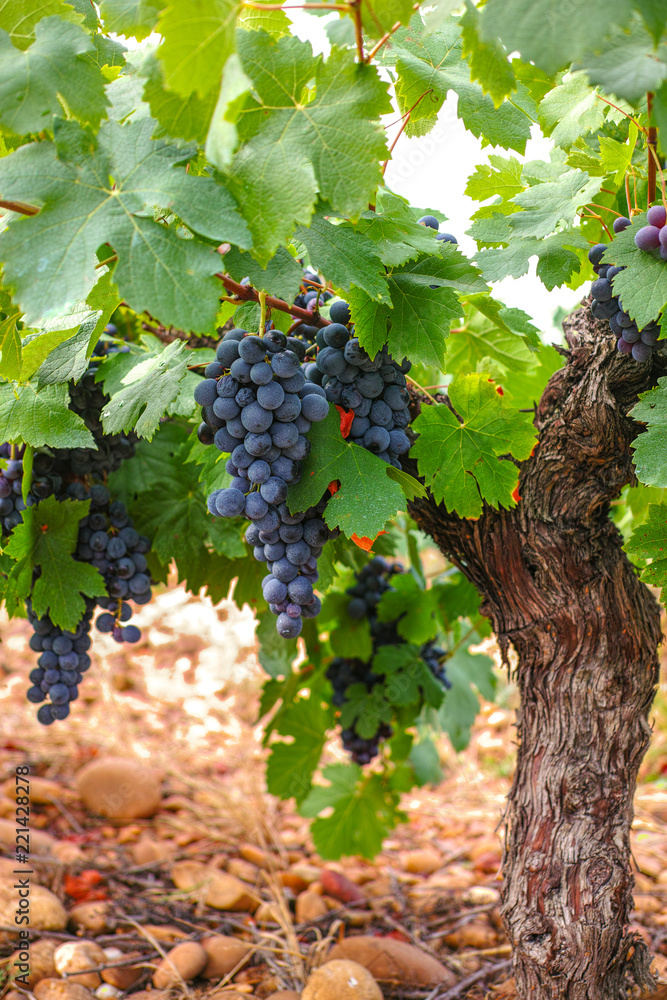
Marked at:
<point>557,586</point>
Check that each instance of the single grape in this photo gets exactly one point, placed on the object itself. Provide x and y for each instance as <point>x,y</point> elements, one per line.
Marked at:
<point>430,221</point>
<point>648,238</point>
<point>656,216</point>
<point>621,223</point>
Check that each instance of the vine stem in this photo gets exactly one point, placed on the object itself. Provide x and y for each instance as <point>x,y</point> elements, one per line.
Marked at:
<point>20,207</point>
<point>355,10</point>
<point>385,38</point>
<point>657,164</point>
<point>249,294</point>
<point>594,215</point>
<point>421,389</point>
<point>627,195</point>
<point>262,314</point>
<point>406,119</point>
<point>652,140</point>
<point>616,107</point>
<point>606,208</point>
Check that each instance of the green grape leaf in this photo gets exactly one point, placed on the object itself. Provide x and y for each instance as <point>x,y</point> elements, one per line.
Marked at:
<point>627,67</point>
<point>47,539</point>
<point>19,18</point>
<point>397,236</point>
<point>501,176</point>
<point>571,111</point>
<point>415,610</point>
<point>482,337</point>
<point>649,540</point>
<point>650,449</point>
<point>354,639</point>
<point>547,205</point>
<point>297,142</point>
<point>211,462</point>
<point>556,261</point>
<point>275,22</point>
<point>187,117</point>
<point>290,767</point>
<point>459,460</point>
<point>365,710</point>
<point>367,498</point>
<point>133,18</point>
<point>408,678</point>
<point>460,707</point>
<point>41,416</point>
<point>275,654</point>
<point>411,487</point>
<point>489,64</point>
<point>364,811</point>
<point>421,314</point>
<point>425,761</point>
<point>146,468</point>
<point>346,257</point>
<point>552,35</point>
<point>148,390</point>
<point>429,64</point>
<point>198,38</point>
<point>157,269</point>
<point>642,285</point>
<point>56,63</point>
<point>281,276</point>
<point>379,16</point>
<point>10,345</point>
<point>653,13</point>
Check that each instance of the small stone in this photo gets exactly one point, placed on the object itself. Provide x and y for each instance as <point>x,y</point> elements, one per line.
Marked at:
<point>107,992</point>
<point>92,918</point>
<point>477,934</point>
<point>256,856</point>
<point>244,870</point>
<point>284,995</point>
<point>147,848</point>
<point>42,791</point>
<point>309,906</point>
<point>215,888</point>
<point>47,913</point>
<point>39,964</point>
<point>123,976</point>
<point>164,933</point>
<point>186,961</point>
<point>309,873</point>
<point>61,989</point>
<point>67,852</point>
<point>119,788</point>
<point>73,958</point>
<point>394,961</point>
<point>40,842</point>
<point>481,895</point>
<point>341,980</point>
<point>423,862</point>
<point>267,913</point>
<point>224,954</point>
<point>150,995</point>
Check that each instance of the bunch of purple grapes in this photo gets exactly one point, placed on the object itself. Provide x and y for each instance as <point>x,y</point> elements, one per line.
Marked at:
<point>11,487</point>
<point>371,583</point>
<point>373,388</point>
<point>61,665</point>
<point>605,305</point>
<point>258,406</point>
<point>654,235</point>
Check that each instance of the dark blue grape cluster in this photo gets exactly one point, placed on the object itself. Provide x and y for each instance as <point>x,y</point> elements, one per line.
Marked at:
<point>605,305</point>
<point>258,407</point>
<point>61,665</point>
<point>370,584</point>
<point>11,487</point>
<point>373,388</point>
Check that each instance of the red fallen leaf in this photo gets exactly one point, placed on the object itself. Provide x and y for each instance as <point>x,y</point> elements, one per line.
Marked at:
<point>367,543</point>
<point>333,486</point>
<point>82,887</point>
<point>515,493</point>
<point>346,418</point>
<point>398,936</point>
<point>341,887</point>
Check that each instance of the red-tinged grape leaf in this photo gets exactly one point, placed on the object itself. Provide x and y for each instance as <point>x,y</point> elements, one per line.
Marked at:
<point>346,418</point>
<point>366,543</point>
<point>367,497</point>
<point>459,459</point>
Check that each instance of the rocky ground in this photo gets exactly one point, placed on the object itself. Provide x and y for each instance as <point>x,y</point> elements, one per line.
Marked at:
<point>160,867</point>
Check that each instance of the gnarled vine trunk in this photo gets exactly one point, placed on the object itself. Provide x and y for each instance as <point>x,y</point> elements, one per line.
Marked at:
<point>558,587</point>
